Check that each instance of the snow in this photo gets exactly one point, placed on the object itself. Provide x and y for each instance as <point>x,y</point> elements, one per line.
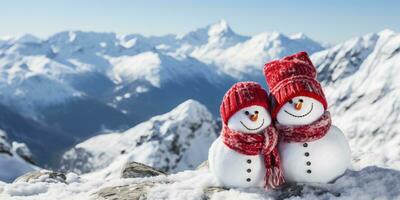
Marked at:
<point>362,90</point>
<point>213,53</point>
<point>12,163</point>
<point>174,141</point>
<point>359,77</point>
<point>12,167</point>
<point>246,58</point>
<point>28,39</point>
<point>369,183</point>
<point>144,66</point>
<point>21,149</point>
<point>3,134</point>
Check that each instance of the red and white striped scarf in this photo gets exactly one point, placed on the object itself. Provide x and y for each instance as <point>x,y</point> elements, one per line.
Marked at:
<point>255,144</point>
<point>305,133</point>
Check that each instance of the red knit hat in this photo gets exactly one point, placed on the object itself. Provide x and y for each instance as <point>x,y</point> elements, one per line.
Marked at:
<point>241,95</point>
<point>292,76</point>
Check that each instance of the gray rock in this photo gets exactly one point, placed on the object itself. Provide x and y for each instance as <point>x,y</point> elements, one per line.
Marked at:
<point>4,146</point>
<point>300,190</point>
<point>42,176</point>
<point>126,192</point>
<point>23,151</point>
<point>139,170</point>
<point>208,192</point>
<point>139,192</point>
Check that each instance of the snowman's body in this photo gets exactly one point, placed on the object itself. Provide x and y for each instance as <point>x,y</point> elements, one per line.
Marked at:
<point>318,161</point>
<point>234,169</point>
<point>321,160</point>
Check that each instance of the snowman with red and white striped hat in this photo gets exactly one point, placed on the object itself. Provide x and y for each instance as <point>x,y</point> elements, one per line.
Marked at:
<point>246,153</point>
<point>311,148</point>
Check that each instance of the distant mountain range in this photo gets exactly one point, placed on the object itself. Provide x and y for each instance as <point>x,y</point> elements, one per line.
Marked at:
<point>73,85</point>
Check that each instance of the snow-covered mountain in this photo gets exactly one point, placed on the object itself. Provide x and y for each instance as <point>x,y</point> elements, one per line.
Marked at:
<point>175,141</point>
<point>245,59</point>
<point>360,79</point>
<point>81,83</point>
<point>15,159</point>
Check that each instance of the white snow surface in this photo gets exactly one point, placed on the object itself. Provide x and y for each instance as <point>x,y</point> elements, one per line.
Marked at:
<point>369,183</point>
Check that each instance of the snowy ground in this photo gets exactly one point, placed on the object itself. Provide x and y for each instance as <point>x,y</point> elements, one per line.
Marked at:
<point>369,183</point>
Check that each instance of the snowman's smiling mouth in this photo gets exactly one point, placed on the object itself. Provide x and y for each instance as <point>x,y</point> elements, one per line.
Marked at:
<point>312,107</point>
<point>253,129</point>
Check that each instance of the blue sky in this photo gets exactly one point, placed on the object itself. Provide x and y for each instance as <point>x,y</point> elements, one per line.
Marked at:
<point>328,22</point>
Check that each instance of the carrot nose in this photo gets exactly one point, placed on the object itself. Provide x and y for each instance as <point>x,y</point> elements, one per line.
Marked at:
<point>254,117</point>
<point>298,105</point>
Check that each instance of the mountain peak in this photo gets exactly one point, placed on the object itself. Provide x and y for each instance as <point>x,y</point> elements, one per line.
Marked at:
<point>28,38</point>
<point>220,27</point>
<point>386,32</point>
<point>190,109</point>
<point>218,35</point>
<point>298,36</point>
<point>5,38</point>
<point>190,104</point>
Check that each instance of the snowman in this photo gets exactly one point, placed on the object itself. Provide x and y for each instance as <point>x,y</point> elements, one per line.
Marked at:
<point>312,150</point>
<point>246,153</point>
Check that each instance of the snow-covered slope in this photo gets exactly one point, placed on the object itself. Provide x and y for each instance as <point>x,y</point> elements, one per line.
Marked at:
<point>174,141</point>
<point>360,79</point>
<point>15,159</point>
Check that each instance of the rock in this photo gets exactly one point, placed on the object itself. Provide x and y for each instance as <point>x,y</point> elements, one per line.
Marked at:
<point>139,192</point>
<point>203,165</point>
<point>1,187</point>
<point>3,135</point>
<point>139,170</point>
<point>208,192</point>
<point>299,190</point>
<point>23,151</point>
<point>126,192</point>
<point>42,176</point>
<point>5,147</point>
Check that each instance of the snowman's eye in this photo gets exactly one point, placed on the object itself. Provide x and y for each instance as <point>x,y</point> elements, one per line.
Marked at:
<point>290,101</point>
<point>301,100</point>
<point>256,112</point>
<point>246,112</point>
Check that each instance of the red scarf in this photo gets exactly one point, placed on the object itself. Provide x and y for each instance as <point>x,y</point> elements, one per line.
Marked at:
<point>255,144</point>
<point>306,133</point>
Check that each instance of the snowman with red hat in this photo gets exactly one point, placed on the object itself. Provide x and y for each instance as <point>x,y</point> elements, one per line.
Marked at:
<point>246,153</point>
<point>311,148</point>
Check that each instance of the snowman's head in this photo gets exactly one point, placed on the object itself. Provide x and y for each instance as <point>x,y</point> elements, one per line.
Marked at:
<point>300,110</point>
<point>250,120</point>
